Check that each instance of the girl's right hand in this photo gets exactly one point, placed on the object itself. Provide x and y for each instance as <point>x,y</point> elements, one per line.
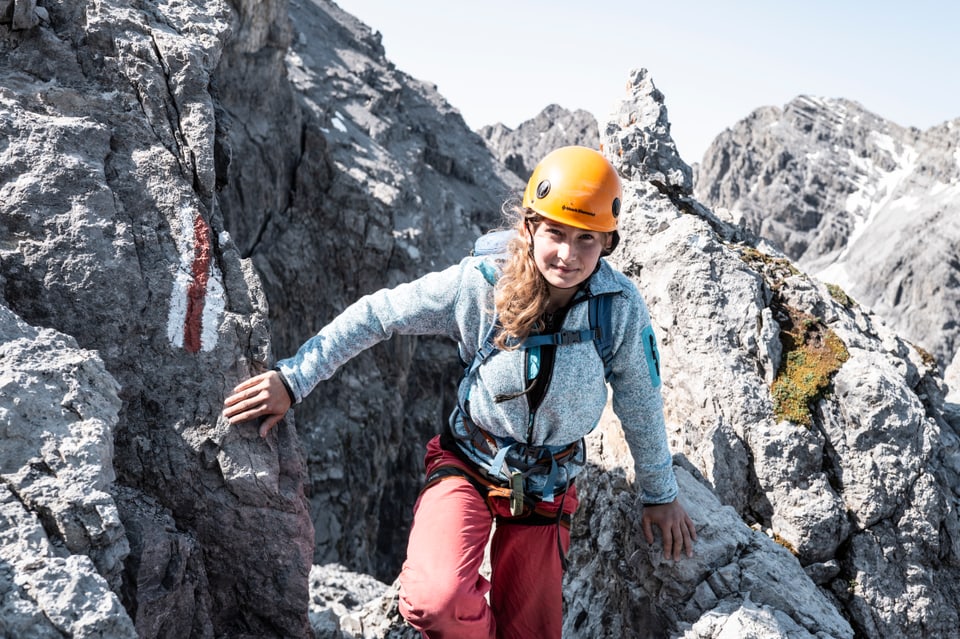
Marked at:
<point>261,396</point>
<point>676,528</point>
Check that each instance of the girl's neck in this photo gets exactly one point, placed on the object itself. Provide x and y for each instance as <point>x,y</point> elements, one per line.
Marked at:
<point>560,297</point>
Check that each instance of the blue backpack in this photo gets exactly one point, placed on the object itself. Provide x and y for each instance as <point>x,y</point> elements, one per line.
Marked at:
<point>599,312</point>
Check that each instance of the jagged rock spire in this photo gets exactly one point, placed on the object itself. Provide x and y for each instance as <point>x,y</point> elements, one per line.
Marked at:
<point>637,137</point>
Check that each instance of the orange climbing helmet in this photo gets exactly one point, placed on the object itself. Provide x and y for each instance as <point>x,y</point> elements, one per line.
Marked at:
<point>576,185</point>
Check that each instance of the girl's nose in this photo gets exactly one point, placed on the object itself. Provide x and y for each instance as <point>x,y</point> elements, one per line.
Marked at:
<point>565,251</point>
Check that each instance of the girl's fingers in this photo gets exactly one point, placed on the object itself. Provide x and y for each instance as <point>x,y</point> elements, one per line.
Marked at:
<point>268,424</point>
<point>244,402</point>
<point>242,414</point>
<point>248,383</point>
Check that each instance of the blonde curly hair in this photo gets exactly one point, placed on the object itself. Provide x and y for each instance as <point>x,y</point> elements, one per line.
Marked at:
<point>521,296</point>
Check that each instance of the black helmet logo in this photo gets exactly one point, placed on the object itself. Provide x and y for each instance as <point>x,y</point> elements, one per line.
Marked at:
<point>616,207</point>
<point>543,189</point>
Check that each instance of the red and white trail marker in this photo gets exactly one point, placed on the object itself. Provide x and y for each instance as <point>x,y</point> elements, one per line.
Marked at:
<point>197,299</point>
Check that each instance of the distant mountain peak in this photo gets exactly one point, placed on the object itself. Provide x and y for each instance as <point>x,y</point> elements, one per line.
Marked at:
<point>520,149</point>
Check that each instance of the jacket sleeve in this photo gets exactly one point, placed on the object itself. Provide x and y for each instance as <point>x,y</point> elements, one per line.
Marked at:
<point>422,307</point>
<point>635,380</point>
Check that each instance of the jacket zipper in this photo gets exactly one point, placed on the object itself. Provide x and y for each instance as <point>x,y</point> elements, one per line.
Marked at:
<point>526,364</point>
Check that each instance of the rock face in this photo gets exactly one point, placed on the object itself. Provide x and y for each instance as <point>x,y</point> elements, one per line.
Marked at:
<point>522,148</point>
<point>188,190</point>
<point>856,201</point>
<point>638,133</point>
<point>113,246</point>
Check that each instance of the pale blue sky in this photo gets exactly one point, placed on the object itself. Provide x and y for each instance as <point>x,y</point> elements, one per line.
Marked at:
<point>499,61</point>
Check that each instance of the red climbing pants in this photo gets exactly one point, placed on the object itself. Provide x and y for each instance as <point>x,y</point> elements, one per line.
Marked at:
<point>442,592</point>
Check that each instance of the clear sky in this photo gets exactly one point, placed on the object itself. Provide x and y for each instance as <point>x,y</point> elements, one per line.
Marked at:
<point>715,62</point>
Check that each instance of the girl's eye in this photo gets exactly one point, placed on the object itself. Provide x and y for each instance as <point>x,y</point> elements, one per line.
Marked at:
<point>587,238</point>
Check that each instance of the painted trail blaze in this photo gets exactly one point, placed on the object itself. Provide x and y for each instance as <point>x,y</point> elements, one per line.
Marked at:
<point>197,300</point>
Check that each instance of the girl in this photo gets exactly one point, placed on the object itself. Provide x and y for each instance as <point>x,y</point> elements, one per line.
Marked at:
<point>527,322</point>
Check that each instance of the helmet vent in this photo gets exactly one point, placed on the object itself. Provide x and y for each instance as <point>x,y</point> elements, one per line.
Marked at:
<point>543,189</point>
<point>616,207</point>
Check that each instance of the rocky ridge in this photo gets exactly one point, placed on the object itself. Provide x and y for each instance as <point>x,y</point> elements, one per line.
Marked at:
<point>135,137</point>
<point>856,201</point>
<point>113,237</point>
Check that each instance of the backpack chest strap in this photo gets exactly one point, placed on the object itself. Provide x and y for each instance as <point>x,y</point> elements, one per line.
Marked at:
<point>562,338</point>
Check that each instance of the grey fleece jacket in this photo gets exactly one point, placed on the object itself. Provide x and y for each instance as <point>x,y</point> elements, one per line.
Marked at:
<point>458,303</point>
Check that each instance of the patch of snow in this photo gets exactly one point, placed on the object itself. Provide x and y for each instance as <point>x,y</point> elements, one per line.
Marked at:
<point>945,192</point>
<point>883,141</point>
<point>385,193</point>
<point>867,202</point>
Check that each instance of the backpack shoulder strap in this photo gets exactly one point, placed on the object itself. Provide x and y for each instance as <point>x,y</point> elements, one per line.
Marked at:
<point>485,350</point>
<point>491,245</point>
<point>601,319</point>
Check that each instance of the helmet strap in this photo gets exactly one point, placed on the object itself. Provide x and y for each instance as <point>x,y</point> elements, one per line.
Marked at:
<point>614,241</point>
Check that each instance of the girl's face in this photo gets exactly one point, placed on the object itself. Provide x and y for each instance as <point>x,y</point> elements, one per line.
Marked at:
<point>566,256</point>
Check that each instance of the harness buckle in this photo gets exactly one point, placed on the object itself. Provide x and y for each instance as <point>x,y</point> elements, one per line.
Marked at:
<point>516,493</point>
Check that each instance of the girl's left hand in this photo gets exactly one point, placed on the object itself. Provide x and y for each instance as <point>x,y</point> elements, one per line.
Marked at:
<point>675,525</point>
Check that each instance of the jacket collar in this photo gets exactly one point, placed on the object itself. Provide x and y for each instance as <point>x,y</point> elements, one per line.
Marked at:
<point>603,281</point>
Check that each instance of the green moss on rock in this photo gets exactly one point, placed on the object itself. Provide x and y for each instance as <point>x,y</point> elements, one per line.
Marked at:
<point>812,354</point>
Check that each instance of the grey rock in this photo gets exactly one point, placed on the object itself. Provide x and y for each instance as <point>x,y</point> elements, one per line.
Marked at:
<point>21,14</point>
<point>638,135</point>
<point>165,585</point>
<point>823,573</point>
<point>61,542</point>
<point>826,488</point>
<point>112,235</point>
<point>349,605</point>
<point>619,586</point>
